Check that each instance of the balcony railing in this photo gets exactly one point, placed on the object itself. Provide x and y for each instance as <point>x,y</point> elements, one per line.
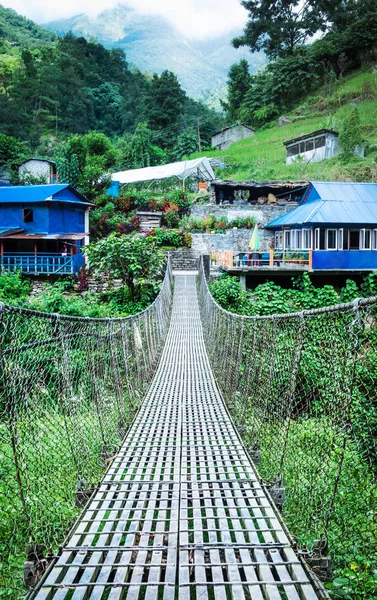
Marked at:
<point>301,260</point>
<point>38,264</point>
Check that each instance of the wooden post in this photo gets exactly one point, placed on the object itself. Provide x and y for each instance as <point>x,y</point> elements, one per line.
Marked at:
<point>35,248</point>
<point>310,259</point>
<point>271,258</point>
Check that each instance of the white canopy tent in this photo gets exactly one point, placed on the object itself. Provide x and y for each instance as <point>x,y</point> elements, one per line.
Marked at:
<point>199,168</point>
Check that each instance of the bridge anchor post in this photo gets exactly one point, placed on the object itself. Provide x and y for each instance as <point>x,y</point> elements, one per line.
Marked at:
<point>319,560</point>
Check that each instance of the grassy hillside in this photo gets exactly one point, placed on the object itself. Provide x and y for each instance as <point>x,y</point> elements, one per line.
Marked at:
<point>262,157</point>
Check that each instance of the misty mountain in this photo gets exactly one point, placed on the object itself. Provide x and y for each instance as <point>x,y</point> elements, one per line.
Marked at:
<point>153,44</point>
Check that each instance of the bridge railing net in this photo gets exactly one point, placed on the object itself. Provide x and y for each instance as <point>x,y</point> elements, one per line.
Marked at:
<point>302,390</point>
<point>69,390</point>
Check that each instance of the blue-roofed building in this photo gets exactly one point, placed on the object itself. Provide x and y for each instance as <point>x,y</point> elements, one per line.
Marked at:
<point>336,222</point>
<point>43,228</point>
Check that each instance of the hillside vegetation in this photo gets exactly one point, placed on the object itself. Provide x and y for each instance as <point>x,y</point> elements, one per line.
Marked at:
<point>262,157</point>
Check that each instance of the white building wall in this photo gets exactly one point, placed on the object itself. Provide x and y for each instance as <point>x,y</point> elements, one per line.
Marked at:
<point>223,139</point>
<point>36,168</point>
<point>330,149</point>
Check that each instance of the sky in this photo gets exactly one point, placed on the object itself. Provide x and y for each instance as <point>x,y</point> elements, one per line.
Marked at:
<point>195,18</point>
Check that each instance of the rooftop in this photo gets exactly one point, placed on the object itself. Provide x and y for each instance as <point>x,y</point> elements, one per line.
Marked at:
<point>310,135</point>
<point>340,203</point>
<point>61,192</point>
<point>231,127</point>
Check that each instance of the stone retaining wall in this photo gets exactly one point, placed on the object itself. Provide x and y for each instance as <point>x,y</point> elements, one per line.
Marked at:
<point>237,239</point>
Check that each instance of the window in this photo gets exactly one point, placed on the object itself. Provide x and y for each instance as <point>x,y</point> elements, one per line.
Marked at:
<point>354,239</point>
<point>278,240</point>
<point>309,145</point>
<point>287,240</point>
<point>293,150</point>
<point>374,239</point>
<point>320,142</point>
<point>340,239</point>
<point>27,215</point>
<point>316,239</point>
<point>302,147</point>
<point>306,239</point>
<point>365,239</point>
<point>331,241</point>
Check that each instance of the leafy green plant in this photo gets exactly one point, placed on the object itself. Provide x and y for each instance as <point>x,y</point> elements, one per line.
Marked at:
<point>133,259</point>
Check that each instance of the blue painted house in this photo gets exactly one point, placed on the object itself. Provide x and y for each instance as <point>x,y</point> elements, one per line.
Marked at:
<point>43,228</point>
<point>337,222</point>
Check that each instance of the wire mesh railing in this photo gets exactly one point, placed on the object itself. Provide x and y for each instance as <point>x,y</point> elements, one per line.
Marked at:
<point>302,390</point>
<point>69,391</point>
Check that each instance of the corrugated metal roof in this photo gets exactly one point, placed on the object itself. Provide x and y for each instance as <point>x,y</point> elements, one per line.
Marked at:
<point>346,191</point>
<point>310,135</point>
<point>41,193</point>
<point>338,203</point>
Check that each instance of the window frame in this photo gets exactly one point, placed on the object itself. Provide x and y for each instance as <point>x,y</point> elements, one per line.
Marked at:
<point>26,212</point>
<point>374,239</point>
<point>363,234</point>
<point>327,239</point>
<point>287,233</point>
<point>340,239</point>
<point>309,233</point>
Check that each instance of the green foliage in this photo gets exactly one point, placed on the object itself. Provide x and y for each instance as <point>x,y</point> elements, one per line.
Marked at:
<point>171,215</point>
<point>84,161</point>
<point>278,27</point>
<point>186,144</point>
<point>350,133</point>
<point>239,82</point>
<point>271,299</point>
<point>134,260</point>
<point>13,287</point>
<point>52,87</point>
<point>12,151</point>
<point>163,107</point>
<point>211,222</point>
<point>174,238</point>
<point>229,294</point>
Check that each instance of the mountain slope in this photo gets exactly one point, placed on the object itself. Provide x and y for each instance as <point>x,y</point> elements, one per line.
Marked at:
<point>152,44</point>
<point>17,30</point>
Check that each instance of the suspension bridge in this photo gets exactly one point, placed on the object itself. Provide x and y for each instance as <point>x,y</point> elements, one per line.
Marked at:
<point>181,511</point>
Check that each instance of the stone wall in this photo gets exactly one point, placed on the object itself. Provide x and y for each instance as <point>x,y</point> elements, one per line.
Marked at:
<point>237,239</point>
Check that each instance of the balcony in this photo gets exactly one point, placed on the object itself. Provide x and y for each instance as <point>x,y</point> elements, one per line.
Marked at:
<point>300,260</point>
<point>41,263</point>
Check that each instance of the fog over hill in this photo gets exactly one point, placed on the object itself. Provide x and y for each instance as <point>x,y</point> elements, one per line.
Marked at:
<point>153,44</point>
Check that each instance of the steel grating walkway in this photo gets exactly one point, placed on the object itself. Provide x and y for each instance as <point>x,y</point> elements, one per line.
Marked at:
<point>180,513</point>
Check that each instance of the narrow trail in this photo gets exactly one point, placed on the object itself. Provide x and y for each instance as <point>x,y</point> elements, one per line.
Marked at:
<point>180,513</point>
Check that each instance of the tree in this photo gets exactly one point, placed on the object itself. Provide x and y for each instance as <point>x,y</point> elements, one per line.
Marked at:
<point>85,161</point>
<point>187,144</point>
<point>239,82</point>
<point>133,259</point>
<point>351,134</point>
<point>279,26</point>
<point>164,105</point>
<point>141,146</point>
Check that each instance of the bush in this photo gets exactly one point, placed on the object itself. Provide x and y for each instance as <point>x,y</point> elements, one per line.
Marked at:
<point>13,287</point>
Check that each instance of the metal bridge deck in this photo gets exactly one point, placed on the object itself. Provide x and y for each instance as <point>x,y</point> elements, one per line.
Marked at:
<point>180,513</point>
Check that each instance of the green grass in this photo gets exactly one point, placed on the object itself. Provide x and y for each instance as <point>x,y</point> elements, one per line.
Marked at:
<point>262,157</point>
